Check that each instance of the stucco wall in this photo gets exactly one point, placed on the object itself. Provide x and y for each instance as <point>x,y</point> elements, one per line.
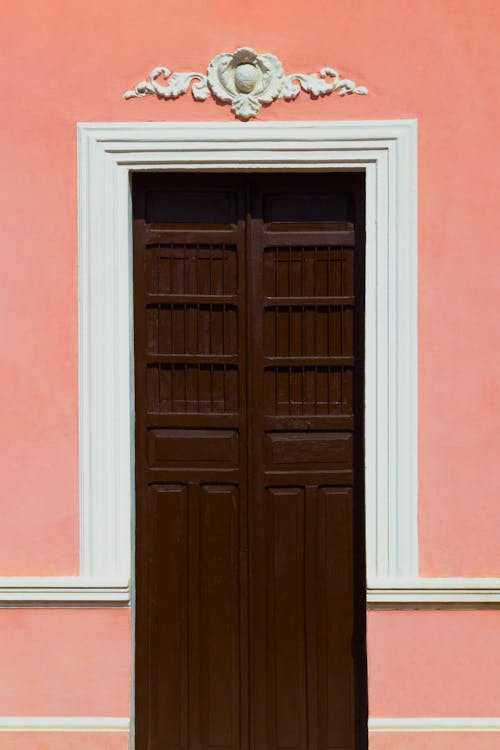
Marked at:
<point>62,62</point>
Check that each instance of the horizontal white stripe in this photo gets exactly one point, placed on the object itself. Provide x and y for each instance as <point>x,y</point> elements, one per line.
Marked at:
<point>121,724</point>
<point>435,724</point>
<point>63,724</point>
<point>434,591</point>
<point>34,590</point>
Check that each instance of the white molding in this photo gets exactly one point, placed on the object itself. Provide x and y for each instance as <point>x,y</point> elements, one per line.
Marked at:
<point>64,724</point>
<point>452,591</point>
<point>386,152</point>
<point>122,724</point>
<point>435,724</point>
<point>39,591</point>
<point>105,375</point>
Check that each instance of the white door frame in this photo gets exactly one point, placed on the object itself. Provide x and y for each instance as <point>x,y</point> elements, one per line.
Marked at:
<point>107,154</point>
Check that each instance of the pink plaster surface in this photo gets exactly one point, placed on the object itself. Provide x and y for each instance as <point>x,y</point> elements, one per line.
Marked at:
<point>378,741</point>
<point>434,741</point>
<point>64,663</point>
<point>63,741</point>
<point>433,663</point>
<point>65,62</point>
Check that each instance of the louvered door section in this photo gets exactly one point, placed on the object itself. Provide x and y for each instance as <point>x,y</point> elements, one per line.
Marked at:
<point>190,465</point>
<point>250,595</point>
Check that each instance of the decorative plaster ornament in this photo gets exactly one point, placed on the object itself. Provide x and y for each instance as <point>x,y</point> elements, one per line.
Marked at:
<point>246,80</point>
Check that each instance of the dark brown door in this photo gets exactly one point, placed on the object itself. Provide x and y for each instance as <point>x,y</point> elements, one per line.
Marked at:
<point>249,451</point>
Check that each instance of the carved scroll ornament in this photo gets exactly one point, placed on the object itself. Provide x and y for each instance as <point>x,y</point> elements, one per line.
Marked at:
<point>246,80</point>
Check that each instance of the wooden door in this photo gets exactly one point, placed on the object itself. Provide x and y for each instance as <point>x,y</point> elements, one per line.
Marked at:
<point>248,306</point>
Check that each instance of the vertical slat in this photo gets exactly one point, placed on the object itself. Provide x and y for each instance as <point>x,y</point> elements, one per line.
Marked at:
<point>178,329</point>
<point>211,284</point>
<point>152,329</point>
<point>204,380</point>
<point>153,388</point>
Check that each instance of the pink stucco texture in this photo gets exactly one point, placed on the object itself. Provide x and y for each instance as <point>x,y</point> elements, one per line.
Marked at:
<point>63,62</point>
<point>68,741</point>
<point>432,741</point>
<point>66,62</point>
<point>433,663</point>
<point>64,663</point>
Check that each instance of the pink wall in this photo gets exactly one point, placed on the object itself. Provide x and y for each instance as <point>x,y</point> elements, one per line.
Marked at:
<point>67,62</point>
<point>433,663</point>
<point>68,741</point>
<point>62,62</point>
<point>428,741</point>
<point>64,662</point>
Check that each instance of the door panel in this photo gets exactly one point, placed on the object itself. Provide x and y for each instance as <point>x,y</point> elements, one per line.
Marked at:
<point>249,452</point>
<point>189,284</point>
<point>214,636</point>
<point>168,609</point>
<point>301,469</point>
<point>285,678</point>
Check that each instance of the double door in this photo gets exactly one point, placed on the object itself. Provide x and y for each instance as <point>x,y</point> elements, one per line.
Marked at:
<point>248,305</point>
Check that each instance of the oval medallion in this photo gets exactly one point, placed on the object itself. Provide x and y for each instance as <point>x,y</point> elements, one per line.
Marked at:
<point>245,77</point>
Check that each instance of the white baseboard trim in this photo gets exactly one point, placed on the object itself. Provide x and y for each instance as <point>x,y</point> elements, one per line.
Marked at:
<point>434,591</point>
<point>71,590</point>
<point>121,724</point>
<point>435,724</point>
<point>64,724</point>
